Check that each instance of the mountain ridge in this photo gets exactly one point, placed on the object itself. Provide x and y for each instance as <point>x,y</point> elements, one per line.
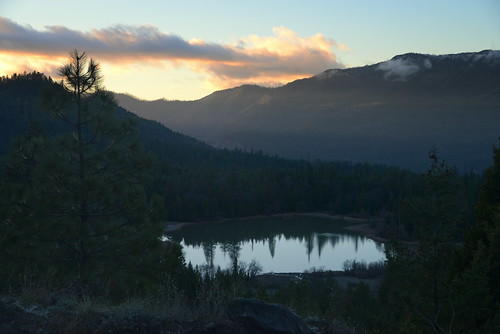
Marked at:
<point>201,183</point>
<point>391,112</point>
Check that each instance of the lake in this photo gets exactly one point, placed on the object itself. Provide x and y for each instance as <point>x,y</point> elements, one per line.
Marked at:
<point>279,245</point>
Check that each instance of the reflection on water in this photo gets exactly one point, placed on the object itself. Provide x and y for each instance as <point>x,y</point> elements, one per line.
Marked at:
<point>278,244</point>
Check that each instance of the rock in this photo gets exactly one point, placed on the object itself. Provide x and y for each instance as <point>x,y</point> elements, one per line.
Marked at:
<point>17,318</point>
<point>257,317</point>
<point>319,325</point>
<point>210,328</point>
<point>274,281</point>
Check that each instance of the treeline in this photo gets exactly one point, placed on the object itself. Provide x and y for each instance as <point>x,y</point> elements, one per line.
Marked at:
<point>210,190</point>
<point>447,281</point>
<point>444,281</point>
<point>229,184</point>
<point>198,182</point>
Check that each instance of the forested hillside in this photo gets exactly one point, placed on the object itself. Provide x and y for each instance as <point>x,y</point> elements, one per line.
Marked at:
<point>387,113</point>
<point>76,234</point>
<point>199,182</point>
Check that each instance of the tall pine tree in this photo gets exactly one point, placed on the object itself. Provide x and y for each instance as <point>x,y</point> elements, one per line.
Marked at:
<point>418,277</point>
<point>476,272</point>
<point>77,208</point>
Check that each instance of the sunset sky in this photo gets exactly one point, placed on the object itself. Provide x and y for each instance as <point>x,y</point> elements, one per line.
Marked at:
<point>188,49</point>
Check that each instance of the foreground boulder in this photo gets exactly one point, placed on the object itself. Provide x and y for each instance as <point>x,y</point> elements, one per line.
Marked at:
<point>243,316</point>
<point>255,316</point>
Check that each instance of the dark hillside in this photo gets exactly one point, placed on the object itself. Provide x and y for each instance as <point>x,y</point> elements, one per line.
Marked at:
<point>199,182</point>
<point>389,113</point>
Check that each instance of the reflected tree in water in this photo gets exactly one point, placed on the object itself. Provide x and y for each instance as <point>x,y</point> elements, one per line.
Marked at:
<point>209,252</point>
<point>272,245</point>
<point>322,241</point>
<point>309,245</point>
<point>233,250</point>
<point>234,237</point>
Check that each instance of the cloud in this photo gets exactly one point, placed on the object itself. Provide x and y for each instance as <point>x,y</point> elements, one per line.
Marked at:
<point>427,63</point>
<point>276,59</point>
<point>398,69</point>
<point>269,60</point>
<point>16,62</point>
<point>120,41</point>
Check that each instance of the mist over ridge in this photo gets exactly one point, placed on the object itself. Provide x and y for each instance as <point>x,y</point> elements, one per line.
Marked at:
<point>390,113</point>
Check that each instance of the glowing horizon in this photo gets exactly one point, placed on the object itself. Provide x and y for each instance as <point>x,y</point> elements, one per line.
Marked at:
<point>219,45</point>
<point>126,52</point>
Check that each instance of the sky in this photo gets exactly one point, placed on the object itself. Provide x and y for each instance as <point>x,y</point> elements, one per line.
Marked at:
<point>185,50</point>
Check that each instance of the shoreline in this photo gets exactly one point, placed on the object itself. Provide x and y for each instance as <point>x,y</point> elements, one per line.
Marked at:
<point>367,231</point>
<point>273,281</point>
<point>361,225</point>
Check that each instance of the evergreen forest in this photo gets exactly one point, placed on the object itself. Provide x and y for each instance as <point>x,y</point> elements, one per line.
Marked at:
<point>87,188</point>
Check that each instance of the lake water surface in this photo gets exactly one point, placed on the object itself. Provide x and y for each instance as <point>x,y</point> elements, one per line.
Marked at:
<point>277,244</point>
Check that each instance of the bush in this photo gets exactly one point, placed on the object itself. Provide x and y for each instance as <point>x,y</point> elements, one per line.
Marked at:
<point>361,269</point>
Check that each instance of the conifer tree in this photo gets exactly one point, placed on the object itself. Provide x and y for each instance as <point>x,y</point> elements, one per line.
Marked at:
<point>419,274</point>
<point>77,206</point>
<point>476,272</point>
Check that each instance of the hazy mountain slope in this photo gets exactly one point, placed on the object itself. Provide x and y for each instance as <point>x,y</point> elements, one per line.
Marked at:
<point>392,112</point>
<point>198,182</point>
<point>19,109</point>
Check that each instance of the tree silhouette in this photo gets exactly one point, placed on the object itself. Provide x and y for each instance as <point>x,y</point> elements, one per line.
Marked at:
<point>77,202</point>
<point>419,274</point>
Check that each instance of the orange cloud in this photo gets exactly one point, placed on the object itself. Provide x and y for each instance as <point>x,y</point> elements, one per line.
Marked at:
<point>19,62</point>
<point>274,60</point>
<point>266,60</point>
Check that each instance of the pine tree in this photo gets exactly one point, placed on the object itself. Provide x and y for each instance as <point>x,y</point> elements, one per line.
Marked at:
<point>77,206</point>
<point>476,272</point>
<point>419,274</point>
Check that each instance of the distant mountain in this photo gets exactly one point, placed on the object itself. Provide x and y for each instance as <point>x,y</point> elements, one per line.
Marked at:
<point>390,113</point>
<point>199,182</point>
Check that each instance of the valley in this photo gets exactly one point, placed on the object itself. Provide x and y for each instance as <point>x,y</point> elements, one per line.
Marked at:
<point>87,188</point>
